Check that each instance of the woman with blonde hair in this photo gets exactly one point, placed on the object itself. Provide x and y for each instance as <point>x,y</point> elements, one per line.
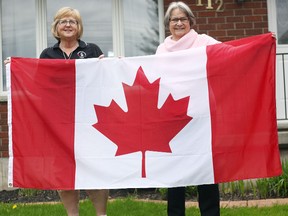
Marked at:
<point>67,28</point>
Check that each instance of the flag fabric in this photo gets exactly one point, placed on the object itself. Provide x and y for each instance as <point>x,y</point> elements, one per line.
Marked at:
<point>198,116</point>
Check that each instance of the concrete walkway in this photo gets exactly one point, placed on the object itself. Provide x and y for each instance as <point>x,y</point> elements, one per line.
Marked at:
<point>248,203</point>
<point>254,203</point>
<point>223,204</point>
<point>231,204</point>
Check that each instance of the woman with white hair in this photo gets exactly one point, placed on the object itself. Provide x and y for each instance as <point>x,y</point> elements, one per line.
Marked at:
<point>179,19</point>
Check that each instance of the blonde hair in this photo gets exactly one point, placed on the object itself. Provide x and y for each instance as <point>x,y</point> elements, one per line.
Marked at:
<point>181,6</point>
<point>64,12</point>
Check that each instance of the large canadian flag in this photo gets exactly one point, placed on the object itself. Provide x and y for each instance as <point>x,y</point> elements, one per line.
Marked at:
<point>198,116</point>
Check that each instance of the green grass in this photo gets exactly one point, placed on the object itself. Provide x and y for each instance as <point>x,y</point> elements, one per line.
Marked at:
<point>131,207</point>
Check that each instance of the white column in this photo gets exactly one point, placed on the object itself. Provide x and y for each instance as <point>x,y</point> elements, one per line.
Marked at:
<point>41,26</point>
<point>118,28</point>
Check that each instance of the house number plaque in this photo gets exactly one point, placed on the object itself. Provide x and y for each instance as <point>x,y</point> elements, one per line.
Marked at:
<point>218,3</point>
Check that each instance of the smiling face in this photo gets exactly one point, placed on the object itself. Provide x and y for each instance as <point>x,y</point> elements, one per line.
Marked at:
<point>179,24</point>
<point>67,28</point>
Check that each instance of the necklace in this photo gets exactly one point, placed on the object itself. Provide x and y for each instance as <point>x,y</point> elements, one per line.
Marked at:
<point>71,53</point>
<point>64,55</point>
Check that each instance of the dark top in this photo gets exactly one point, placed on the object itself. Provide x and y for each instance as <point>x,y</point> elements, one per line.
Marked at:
<point>84,50</point>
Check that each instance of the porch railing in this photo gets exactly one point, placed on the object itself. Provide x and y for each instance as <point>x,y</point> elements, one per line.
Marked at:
<point>281,86</point>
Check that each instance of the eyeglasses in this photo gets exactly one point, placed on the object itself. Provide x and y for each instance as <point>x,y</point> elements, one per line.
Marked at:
<point>65,22</point>
<point>181,19</point>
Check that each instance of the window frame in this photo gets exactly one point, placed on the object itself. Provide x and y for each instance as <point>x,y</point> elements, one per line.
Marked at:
<point>280,49</point>
<point>3,94</point>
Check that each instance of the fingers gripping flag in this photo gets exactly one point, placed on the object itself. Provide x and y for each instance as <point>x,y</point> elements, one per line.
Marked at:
<point>199,116</point>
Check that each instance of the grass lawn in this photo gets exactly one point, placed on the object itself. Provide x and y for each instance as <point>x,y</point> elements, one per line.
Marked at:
<point>131,207</point>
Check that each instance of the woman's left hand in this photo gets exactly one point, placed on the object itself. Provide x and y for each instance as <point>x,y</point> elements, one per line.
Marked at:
<point>101,56</point>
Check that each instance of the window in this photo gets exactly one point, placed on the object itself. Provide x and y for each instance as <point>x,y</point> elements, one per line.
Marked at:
<point>141,27</point>
<point>17,31</point>
<point>282,24</point>
<point>118,27</point>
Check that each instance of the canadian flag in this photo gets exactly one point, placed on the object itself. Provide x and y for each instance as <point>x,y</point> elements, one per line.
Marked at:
<point>198,116</point>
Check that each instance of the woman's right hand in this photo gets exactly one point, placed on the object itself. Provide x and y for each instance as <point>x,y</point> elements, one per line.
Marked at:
<point>7,60</point>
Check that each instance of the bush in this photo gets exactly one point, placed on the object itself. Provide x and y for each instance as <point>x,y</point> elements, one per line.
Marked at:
<point>247,189</point>
<point>262,188</point>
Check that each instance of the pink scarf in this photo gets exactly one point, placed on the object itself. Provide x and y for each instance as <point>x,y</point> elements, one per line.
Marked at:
<point>191,40</point>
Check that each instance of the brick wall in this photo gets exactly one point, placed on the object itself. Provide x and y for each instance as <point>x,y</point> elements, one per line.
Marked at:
<point>233,21</point>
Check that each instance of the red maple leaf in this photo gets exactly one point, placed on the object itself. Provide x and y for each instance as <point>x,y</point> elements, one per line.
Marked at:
<point>144,127</point>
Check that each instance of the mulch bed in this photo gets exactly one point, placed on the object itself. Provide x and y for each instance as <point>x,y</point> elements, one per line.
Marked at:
<point>34,196</point>
<point>22,196</point>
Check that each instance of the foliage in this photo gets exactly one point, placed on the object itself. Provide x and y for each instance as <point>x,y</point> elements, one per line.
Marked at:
<point>276,186</point>
<point>163,192</point>
<point>247,189</point>
<point>260,188</point>
<point>28,192</point>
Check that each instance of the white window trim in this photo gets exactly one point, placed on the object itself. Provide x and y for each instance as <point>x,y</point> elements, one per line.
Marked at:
<point>271,7</point>
<point>41,26</point>
<point>118,28</point>
<point>161,20</point>
<point>3,94</point>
